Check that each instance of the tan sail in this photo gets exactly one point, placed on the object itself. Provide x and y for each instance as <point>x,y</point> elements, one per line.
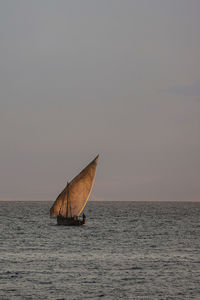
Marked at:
<point>72,200</point>
<point>60,200</point>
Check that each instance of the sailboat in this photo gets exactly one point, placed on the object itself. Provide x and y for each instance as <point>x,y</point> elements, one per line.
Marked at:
<point>71,201</point>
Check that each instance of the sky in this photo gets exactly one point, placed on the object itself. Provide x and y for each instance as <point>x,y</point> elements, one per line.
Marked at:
<point>116,78</point>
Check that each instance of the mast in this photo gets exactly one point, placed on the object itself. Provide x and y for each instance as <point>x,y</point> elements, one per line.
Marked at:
<point>67,199</point>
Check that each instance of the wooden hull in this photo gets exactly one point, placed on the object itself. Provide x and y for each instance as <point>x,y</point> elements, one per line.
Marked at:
<point>70,221</point>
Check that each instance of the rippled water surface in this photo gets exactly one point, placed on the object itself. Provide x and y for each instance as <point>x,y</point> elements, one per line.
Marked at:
<point>126,250</point>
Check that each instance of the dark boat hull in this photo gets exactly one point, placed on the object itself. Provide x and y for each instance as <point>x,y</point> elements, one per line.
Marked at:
<point>70,221</point>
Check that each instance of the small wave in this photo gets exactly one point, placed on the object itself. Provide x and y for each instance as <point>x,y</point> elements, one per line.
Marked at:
<point>136,268</point>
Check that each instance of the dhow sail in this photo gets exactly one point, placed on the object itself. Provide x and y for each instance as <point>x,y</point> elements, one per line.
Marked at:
<point>72,200</point>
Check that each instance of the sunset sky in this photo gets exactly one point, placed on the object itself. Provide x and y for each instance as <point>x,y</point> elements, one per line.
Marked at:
<point>116,78</point>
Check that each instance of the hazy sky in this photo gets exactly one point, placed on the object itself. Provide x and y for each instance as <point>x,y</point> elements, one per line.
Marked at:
<point>118,78</point>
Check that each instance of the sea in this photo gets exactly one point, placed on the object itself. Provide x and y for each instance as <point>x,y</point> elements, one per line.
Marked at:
<point>126,250</point>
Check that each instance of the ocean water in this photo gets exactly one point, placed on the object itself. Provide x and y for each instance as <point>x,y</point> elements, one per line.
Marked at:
<point>126,250</point>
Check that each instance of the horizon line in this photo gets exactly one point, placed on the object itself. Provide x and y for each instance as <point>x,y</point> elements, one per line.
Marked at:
<point>16,200</point>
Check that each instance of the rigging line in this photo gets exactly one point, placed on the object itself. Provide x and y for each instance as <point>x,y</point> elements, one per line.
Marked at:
<point>67,199</point>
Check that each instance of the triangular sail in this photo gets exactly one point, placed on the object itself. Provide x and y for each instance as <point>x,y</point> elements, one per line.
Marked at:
<point>72,200</point>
